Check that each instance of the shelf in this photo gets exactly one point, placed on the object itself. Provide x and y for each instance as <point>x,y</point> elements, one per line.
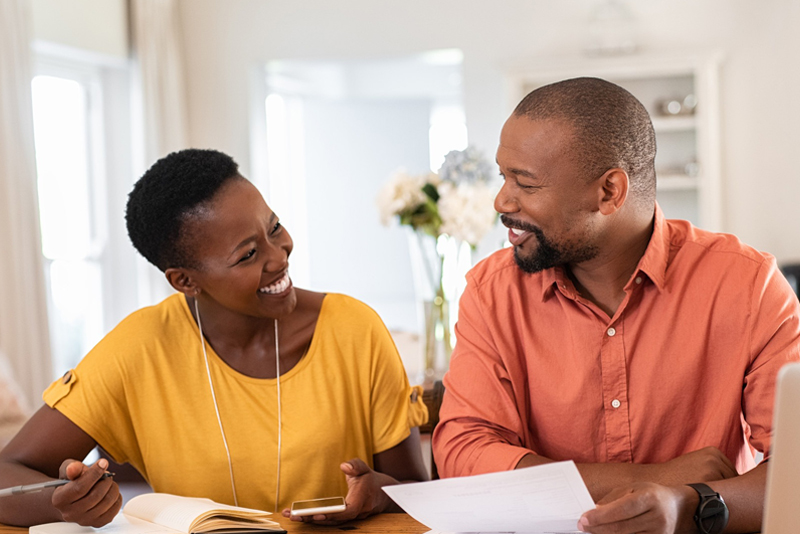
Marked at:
<point>683,141</point>
<point>678,123</point>
<point>676,182</point>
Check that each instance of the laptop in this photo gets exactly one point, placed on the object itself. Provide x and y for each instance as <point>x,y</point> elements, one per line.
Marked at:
<point>782,511</point>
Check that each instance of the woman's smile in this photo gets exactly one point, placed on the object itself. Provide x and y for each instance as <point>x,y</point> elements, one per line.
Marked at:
<point>281,286</point>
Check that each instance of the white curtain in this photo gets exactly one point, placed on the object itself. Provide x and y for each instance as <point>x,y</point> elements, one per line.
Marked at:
<point>24,335</point>
<point>161,93</point>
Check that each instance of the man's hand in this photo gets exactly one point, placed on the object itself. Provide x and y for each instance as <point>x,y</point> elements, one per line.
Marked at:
<point>364,495</point>
<point>89,499</point>
<point>704,465</point>
<point>642,508</point>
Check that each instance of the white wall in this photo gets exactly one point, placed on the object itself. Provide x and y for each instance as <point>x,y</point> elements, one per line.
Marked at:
<point>350,251</point>
<point>97,26</point>
<point>225,38</point>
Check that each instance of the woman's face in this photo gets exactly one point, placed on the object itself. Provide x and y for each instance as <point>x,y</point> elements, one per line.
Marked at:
<point>241,252</point>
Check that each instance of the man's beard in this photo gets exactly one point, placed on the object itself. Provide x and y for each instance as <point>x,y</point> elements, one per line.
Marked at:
<point>548,254</point>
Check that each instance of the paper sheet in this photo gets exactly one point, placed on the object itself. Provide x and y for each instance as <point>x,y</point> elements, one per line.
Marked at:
<point>544,498</point>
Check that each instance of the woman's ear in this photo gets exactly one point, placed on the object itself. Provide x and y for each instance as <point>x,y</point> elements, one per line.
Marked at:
<point>613,191</point>
<point>181,281</point>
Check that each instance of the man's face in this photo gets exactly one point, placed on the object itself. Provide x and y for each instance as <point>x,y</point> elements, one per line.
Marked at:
<point>546,201</point>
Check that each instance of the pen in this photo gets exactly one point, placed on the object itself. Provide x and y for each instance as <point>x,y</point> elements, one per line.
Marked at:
<point>33,488</point>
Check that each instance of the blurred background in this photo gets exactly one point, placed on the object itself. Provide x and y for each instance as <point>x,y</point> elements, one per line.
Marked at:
<point>319,102</point>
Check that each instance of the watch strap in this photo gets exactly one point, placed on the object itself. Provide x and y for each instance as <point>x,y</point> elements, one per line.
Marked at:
<point>703,490</point>
<point>711,516</point>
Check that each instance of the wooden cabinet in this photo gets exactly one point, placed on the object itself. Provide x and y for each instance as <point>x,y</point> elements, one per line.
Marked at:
<point>682,96</point>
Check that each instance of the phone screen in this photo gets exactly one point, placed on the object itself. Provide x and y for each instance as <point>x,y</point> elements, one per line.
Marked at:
<point>327,505</point>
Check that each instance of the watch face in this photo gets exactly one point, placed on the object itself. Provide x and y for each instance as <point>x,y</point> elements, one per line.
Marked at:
<point>712,516</point>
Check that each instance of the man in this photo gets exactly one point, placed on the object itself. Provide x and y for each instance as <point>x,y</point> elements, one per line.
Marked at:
<point>644,349</point>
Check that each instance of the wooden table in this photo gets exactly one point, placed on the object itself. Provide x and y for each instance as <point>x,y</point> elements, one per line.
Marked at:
<point>379,524</point>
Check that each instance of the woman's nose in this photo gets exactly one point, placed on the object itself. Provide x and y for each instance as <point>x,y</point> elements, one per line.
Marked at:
<point>277,258</point>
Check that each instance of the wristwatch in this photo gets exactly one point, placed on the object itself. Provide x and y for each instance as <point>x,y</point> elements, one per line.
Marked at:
<point>711,516</point>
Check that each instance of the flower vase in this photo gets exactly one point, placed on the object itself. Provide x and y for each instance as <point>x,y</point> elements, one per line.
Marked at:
<point>438,339</point>
<point>431,277</point>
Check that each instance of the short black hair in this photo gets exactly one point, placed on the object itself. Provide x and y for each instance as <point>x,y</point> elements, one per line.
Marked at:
<point>611,127</point>
<point>170,190</point>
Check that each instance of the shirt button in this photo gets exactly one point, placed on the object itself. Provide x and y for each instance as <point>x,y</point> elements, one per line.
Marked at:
<point>611,332</point>
<point>615,403</point>
<point>638,280</point>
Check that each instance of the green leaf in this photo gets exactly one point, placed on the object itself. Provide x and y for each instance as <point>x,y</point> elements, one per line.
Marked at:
<point>430,190</point>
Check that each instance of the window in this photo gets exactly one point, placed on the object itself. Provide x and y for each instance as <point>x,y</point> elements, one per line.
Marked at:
<point>81,133</point>
<point>72,246</point>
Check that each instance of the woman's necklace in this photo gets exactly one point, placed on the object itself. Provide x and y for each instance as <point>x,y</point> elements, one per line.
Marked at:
<point>219,419</point>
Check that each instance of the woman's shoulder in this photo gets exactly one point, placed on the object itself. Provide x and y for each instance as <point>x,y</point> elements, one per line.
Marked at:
<point>168,313</point>
<point>344,308</point>
<point>152,325</point>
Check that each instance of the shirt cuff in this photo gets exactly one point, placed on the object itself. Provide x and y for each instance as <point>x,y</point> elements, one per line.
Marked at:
<point>498,457</point>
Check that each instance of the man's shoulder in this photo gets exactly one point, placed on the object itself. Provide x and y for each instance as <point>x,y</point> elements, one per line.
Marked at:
<point>500,268</point>
<point>714,245</point>
<point>491,266</point>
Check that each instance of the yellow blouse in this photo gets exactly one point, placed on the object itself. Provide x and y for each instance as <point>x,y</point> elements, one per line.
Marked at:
<point>142,393</point>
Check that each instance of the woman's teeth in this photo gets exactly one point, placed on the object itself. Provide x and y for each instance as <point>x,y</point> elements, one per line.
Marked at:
<point>278,287</point>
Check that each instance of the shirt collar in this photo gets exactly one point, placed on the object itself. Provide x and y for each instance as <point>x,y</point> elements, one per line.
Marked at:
<point>653,263</point>
<point>656,255</point>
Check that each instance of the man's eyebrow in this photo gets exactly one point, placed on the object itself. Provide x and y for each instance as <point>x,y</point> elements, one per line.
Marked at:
<point>522,172</point>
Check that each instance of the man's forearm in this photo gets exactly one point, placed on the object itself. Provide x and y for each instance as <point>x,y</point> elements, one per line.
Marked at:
<point>600,479</point>
<point>744,496</point>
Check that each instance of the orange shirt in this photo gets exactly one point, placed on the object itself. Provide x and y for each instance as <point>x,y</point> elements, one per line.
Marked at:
<point>691,353</point>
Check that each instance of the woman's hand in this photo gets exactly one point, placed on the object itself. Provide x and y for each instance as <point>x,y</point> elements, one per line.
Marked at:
<point>89,499</point>
<point>364,495</point>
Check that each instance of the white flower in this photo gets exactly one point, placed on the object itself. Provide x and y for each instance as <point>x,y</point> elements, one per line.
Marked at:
<point>467,210</point>
<point>401,193</point>
<point>466,165</point>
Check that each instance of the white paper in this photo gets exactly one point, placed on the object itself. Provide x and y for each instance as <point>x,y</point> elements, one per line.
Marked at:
<point>544,498</point>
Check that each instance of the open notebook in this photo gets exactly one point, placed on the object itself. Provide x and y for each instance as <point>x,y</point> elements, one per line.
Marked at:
<point>161,512</point>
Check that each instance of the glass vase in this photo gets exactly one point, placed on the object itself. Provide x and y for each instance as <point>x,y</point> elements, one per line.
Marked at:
<point>433,259</point>
<point>437,336</point>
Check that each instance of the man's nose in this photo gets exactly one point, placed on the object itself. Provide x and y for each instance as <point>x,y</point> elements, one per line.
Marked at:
<point>505,202</point>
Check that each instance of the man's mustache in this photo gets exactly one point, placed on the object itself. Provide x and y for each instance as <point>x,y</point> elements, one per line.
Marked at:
<point>511,223</point>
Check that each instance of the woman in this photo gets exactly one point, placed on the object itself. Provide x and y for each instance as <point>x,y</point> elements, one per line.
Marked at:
<point>188,391</point>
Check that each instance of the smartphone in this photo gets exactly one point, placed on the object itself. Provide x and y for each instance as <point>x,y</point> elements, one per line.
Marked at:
<point>328,505</point>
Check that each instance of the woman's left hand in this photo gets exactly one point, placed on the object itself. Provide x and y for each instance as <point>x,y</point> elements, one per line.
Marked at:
<point>364,495</point>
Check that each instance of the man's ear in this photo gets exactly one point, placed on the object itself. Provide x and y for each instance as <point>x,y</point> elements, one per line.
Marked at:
<point>182,281</point>
<point>613,190</point>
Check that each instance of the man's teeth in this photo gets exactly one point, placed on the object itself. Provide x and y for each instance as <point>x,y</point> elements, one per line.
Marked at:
<point>278,287</point>
<point>517,231</point>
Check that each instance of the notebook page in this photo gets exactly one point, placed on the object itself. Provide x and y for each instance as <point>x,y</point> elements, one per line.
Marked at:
<point>176,512</point>
<point>120,525</point>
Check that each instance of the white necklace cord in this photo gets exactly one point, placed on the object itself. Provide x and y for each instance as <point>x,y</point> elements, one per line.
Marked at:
<point>278,378</point>
<point>214,398</point>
